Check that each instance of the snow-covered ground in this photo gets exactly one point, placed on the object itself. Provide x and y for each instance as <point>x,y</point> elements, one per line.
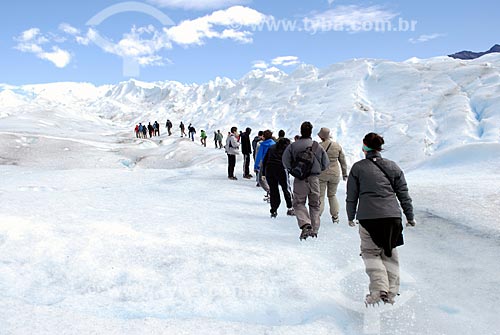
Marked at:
<point>101,233</point>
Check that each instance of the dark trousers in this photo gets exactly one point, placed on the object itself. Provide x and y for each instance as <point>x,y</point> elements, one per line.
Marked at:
<point>246,164</point>
<point>275,177</point>
<point>231,164</point>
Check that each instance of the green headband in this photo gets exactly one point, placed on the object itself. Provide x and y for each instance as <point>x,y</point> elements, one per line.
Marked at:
<point>365,148</point>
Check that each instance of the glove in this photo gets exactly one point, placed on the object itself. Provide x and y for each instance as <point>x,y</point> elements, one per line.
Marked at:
<point>345,178</point>
<point>411,223</point>
<point>353,223</point>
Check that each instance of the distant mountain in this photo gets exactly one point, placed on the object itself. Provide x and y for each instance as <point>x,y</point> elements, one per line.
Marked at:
<point>474,55</point>
<point>421,106</point>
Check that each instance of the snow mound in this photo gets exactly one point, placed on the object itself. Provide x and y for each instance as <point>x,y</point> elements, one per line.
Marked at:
<point>482,156</point>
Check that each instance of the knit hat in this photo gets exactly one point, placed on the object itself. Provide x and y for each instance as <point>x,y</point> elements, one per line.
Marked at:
<point>324,133</point>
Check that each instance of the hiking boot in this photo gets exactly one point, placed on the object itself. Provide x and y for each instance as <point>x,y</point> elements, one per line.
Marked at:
<point>306,232</point>
<point>375,298</point>
<point>335,219</point>
<point>247,176</point>
<point>290,212</point>
<point>232,178</point>
<point>274,215</point>
<point>388,298</point>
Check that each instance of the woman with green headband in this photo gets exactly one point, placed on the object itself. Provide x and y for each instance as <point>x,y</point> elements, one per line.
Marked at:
<point>376,192</point>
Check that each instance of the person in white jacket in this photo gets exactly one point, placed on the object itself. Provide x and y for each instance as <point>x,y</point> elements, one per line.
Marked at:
<point>232,149</point>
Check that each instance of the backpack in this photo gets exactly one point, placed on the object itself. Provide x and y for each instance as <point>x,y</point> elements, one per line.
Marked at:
<point>303,162</point>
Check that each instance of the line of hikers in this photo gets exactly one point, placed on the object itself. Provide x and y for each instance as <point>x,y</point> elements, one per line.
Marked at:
<point>271,173</point>
<point>376,193</point>
<point>141,131</point>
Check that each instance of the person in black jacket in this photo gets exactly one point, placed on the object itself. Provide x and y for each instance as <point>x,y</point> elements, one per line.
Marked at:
<point>256,140</point>
<point>191,131</point>
<point>183,131</point>
<point>169,126</point>
<point>156,127</point>
<point>151,130</point>
<point>246,150</point>
<point>276,175</point>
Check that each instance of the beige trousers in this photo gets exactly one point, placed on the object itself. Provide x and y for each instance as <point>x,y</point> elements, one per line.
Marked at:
<point>383,271</point>
<point>307,190</point>
<point>328,185</point>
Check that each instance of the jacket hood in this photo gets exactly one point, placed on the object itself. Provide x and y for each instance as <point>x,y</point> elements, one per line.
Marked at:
<point>267,143</point>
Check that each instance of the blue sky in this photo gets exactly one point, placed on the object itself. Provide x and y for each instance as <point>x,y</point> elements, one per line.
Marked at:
<point>51,41</point>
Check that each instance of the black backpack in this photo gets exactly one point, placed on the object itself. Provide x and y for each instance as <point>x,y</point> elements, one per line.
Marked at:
<point>303,162</point>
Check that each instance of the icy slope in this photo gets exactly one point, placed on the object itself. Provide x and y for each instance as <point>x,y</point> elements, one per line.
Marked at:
<point>126,248</point>
<point>103,233</point>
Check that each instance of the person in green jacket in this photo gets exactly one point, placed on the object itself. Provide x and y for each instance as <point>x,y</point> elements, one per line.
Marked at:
<point>203,136</point>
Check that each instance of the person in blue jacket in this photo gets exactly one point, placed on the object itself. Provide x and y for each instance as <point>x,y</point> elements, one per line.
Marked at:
<point>263,147</point>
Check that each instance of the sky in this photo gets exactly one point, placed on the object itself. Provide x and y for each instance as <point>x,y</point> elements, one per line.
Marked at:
<point>106,42</point>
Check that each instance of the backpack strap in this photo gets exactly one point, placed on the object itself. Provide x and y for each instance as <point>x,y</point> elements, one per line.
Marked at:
<point>314,148</point>
<point>374,161</point>
<point>329,145</point>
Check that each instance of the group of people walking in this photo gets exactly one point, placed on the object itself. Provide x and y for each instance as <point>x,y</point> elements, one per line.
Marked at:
<point>142,131</point>
<point>376,193</point>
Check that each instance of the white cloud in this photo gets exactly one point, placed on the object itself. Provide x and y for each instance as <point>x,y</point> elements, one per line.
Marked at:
<point>32,40</point>
<point>60,58</point>
<point>286,61</point>
<point>260,64</point>
<point>76,33</point>
<point>425,38</point>
<point>68,29</point>
<point>283,61</point>
<point>349,18</point>
<point>82,40</point>
<point>145,44</point>
<point>133,45</point>
<point>231,20</point>
<point>240,36</point>
<point>29,35</point>
<point>32,36</point>
<point>198,4</point>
